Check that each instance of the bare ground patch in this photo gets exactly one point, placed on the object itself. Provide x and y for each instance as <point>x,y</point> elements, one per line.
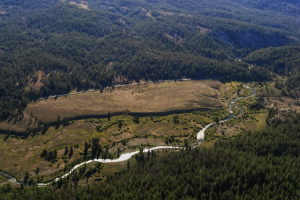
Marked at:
<point>82,5</point>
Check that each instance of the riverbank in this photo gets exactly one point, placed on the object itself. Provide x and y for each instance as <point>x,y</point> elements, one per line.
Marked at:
<point>150,131</point>
<point>126,156</point>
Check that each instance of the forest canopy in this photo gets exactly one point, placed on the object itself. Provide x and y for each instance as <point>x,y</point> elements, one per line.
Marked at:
<point>51,47</point>
<point>260,165</point>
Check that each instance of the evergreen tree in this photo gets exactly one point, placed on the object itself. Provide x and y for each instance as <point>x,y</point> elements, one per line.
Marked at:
<point>96,148</point>
<point>136,119</point>
<point>66,151</point>
<point>120,124</point>
<point>108,116</point>
<point>86,149</point>
<point>71,152</point>
<point>26,178</point>
<point>175,119</point>
<point>57,122</point>
<point>37,170</point>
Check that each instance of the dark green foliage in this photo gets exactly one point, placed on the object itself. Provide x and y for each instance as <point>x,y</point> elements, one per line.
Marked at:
<point>96,148</point>
<point>136,119</point>
<point>86,149</point>
<point>140,157</point>
<point>293,85</point>
<point>176,119</point>
<point>37,171</point>
<point>120,124</point>
<point>79,49</point>
<point>49,155</point>
<point>263,165</point>
<point>66,151</point>
<point>26,178</point>
<point>71,152</point>
<point>170,140</point>
<point>57,122</point>
<point>281,60</point>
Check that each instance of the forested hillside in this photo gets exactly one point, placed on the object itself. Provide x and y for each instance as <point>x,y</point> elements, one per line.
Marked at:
<point>233,135</point>
<point>261,165</point>
<point>283,61</point>
<point>51,47</point>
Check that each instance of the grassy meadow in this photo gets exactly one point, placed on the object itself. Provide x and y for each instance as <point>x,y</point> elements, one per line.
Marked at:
<point>122,133</point>
<point>150,97</point>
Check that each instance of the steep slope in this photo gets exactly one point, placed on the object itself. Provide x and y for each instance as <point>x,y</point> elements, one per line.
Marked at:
<point>281,60</point>
<point>93,44</point>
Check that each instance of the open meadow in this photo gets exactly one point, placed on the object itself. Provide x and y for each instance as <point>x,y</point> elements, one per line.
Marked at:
<point>145,97</point>
<point>124,133</point>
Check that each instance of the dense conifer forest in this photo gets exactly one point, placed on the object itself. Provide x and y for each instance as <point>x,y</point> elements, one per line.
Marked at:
<point>54,47</point>
<point>284,61</point>
<point>51,47</point>
<point>260,165</point>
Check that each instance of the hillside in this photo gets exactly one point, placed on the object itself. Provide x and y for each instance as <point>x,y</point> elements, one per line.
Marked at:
<point>284,61</point>
<point>149,99</point>
<point>254,166</point>
<point>94,44</point>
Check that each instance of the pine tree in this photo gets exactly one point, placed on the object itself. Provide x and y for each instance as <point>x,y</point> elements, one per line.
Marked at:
<point>96,148</point>
<point>176,119</point>
<point>37,170</point>
<point>71,152</point>
<point>108,116</point>
<point>136,119</point>
<point>66,151</point>
<point>120,124</point>
<point>86,149</point>
<point>57,122</point>
<point>54,155</point>
<point>44,154</point>
<point>26,178</point>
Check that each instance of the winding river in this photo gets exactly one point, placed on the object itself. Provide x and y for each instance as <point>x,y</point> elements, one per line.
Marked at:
<point>126,156</point>
<point>231,107</point>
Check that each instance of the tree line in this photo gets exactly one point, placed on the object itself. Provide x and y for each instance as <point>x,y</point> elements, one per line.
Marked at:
<point>260,165</point>
<point>93,50</point>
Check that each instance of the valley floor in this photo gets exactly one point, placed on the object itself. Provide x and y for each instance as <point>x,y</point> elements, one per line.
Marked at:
<point>124,133</point>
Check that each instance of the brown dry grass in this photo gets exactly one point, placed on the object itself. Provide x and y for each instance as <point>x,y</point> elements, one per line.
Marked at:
<point>134,98</point>
<point>21,155</point>
<point>284,103</point>
<point>256,124</point>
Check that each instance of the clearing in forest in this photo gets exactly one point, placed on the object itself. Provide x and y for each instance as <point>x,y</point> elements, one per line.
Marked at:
<point>150,97</point>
